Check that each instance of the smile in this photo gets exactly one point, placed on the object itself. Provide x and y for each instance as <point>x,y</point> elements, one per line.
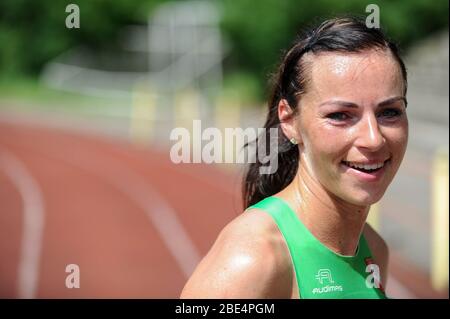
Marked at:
<point>369,172</point>
<point>365,167</point>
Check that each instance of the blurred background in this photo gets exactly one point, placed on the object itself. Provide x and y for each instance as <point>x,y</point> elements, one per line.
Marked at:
<point>86,115</point>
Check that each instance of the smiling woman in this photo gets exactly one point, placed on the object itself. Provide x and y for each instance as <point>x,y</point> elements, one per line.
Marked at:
<point>339,102</point>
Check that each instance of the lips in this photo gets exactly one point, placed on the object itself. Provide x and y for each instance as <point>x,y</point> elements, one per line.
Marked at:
<point>366,167</point>
<point>360,172</point>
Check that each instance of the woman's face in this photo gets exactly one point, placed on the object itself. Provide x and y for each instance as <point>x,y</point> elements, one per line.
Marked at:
<point>353,114</point>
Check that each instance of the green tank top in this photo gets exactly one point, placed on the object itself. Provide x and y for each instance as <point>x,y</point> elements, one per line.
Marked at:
<point>320,272</point>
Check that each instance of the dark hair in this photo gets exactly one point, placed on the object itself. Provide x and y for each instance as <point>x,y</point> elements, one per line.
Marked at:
<point>347,34</point>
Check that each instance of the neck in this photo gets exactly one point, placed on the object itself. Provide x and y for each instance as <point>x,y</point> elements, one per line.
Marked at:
<point>334,222</point>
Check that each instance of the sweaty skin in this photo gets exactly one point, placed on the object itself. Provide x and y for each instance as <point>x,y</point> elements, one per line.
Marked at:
<point>353,110</point>
<point>339,200</point>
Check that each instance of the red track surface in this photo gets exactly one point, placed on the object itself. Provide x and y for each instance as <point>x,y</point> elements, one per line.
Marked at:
<point>92,221</point>
<point>98,196</point>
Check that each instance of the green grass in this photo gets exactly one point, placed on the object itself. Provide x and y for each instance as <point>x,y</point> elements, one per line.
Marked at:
<point>29,94</point>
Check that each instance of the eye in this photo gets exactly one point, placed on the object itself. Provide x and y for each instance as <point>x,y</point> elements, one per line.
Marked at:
<point>390,113</point>
<point>338,116</point>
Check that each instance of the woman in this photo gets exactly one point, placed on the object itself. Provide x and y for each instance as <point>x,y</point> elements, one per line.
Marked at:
<point>339,101</point>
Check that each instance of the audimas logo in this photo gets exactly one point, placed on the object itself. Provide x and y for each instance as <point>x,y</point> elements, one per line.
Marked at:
<point>324,274</point>
<point>324,277</point>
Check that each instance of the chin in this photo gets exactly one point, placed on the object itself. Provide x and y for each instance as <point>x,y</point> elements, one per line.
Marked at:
<point>366,198</point>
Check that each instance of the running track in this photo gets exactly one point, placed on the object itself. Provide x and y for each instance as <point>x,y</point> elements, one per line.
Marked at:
<point>135,223</point>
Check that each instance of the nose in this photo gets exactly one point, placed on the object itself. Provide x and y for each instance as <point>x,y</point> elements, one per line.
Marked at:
<point>369,134</point>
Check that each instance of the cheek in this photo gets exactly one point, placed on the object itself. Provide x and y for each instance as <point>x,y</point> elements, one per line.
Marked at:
<point>398,141</point>
<point>331,143</point>
<point>327,150</point>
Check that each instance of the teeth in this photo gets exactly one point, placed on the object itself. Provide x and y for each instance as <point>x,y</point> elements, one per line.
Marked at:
<point>366,167</point>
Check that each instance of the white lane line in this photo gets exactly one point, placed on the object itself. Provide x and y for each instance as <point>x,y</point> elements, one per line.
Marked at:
<point>161,215</point>
<point>157,209</point>
<point>33,222</point>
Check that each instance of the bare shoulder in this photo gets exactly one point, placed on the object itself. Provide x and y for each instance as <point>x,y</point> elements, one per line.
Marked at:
<point>247,260</point>
<point>379,249</point>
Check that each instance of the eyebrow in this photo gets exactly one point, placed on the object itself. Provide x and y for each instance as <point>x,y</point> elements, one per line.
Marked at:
<point>354,105</point>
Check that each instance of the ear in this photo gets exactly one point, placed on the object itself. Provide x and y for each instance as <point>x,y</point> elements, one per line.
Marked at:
<point>288,121</point>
